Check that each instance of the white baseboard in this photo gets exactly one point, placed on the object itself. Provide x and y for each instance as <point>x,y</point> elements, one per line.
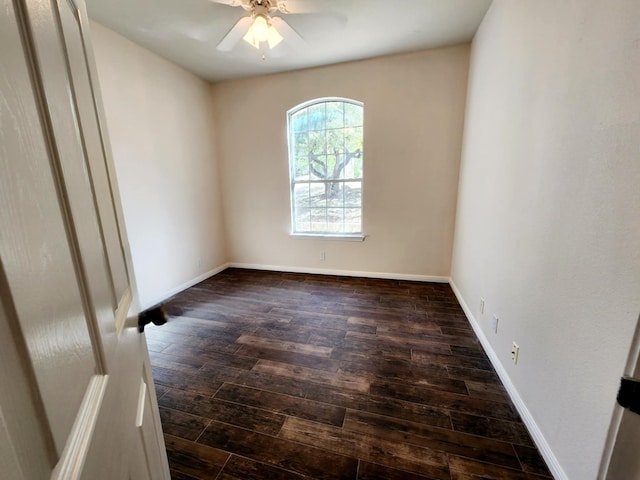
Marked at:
<point>343,273</point>
<point>276,268</point>
<point>184,286</point>
<point>542,444</point>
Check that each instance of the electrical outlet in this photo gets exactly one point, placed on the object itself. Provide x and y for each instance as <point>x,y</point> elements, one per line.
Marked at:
<point>515,352</point>
<point>323,257</point>
<point>481,305</point>
<point>494,324</point>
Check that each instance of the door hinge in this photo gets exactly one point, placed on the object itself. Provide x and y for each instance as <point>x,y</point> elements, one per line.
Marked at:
<point>629,394</point>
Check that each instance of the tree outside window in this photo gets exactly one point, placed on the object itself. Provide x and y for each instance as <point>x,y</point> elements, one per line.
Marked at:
<point>326,164</point>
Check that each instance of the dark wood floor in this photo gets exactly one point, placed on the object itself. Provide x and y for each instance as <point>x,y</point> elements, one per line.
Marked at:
<point>264,375</point>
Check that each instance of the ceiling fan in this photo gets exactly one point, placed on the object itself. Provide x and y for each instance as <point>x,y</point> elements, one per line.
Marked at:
<point>261,28</point>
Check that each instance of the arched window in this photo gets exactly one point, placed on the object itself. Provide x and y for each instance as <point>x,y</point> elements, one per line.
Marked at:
<point>326,166</point>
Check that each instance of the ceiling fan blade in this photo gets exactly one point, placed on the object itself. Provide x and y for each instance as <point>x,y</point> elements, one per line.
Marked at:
<point>231,3</point>
<point>288,34</point>
<point>246,4</point>
<point>234,35</point>
<point>301,6</point>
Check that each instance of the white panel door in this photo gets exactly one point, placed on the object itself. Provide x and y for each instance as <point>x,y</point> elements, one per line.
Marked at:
<point>76,394</point>
<point>622,452</point>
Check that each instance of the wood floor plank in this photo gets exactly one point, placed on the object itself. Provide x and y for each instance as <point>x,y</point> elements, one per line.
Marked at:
<point>183,381</point>
<point>472,351</point>
<point>473,374</point>
<point>513,432</point>
<point>194,459</point>
<point>468,469</point>
<point>445,440</point>
<point>372,471</point>
<point>206,355</point>
<point>489,391</point>
<point>175,475</point>
<point>156,345</point>
<point>343,380</point>
<point>287,386</point>
<point>362,321</point>
<point>531,460</point>
<point>291,358</point>
<point>334,322</point>
<point>393,328</point>
<point>420,376</point>
<point>283,345</point>
<point>176,362</point>
<point>181,424</point>
<point>239,468</point>
<point>160,389</point>
<point>403,456</point>
<point>451,401</point>
<point>301,459</point>
<point>425,414</point>
<point>421,358</point>
<point>260,420</point>
<point>283,404</point>
<point>326,337</point>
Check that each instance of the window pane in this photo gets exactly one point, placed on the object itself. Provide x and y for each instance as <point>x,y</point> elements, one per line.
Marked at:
<point>335,115</point>
<point>335,220</point>
<point>303,219</point>
<point>318,219</point>
<point>352,228</point>
<point>357,166</point>
<point>352,115</point>
<point>331,168</point>
<point>353,220</point>
<point>302,167</point>
<point>316,116</point>
<point>301,121</point>
<point>318,142</point>
<point>318,166</point>
<point>353,139</point>
<point>301,143</point>
<point>302,195</point>
<point>350,169</point>
<point>335,140</point>
<point>353,194</point>
<point>318,197</point>
<point>335,194</point>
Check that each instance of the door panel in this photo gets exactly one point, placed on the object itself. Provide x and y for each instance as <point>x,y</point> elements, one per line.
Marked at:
<point>60,105</point>
<point>36,257</point>
<point>147,432</point>
<point>621,460</point>
<point>94,145</point>
<point>63,258</point>
<point>26,447</point>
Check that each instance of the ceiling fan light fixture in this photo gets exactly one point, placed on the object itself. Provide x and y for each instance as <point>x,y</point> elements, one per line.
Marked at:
<point>260,31</point>
<point>274,38</point>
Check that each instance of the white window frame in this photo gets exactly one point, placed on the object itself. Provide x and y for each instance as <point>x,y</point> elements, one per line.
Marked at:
<point>355,236</point>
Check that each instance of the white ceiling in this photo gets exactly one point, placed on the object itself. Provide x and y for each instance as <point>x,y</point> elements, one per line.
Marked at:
<point>187,31</point>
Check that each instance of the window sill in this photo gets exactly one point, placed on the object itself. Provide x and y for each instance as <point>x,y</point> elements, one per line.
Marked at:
<point>358,237</point>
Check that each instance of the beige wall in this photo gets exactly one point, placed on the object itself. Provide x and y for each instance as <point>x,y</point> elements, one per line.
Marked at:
<point>548,223</point>
<point>160,122</point>
<point>414,112</point>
